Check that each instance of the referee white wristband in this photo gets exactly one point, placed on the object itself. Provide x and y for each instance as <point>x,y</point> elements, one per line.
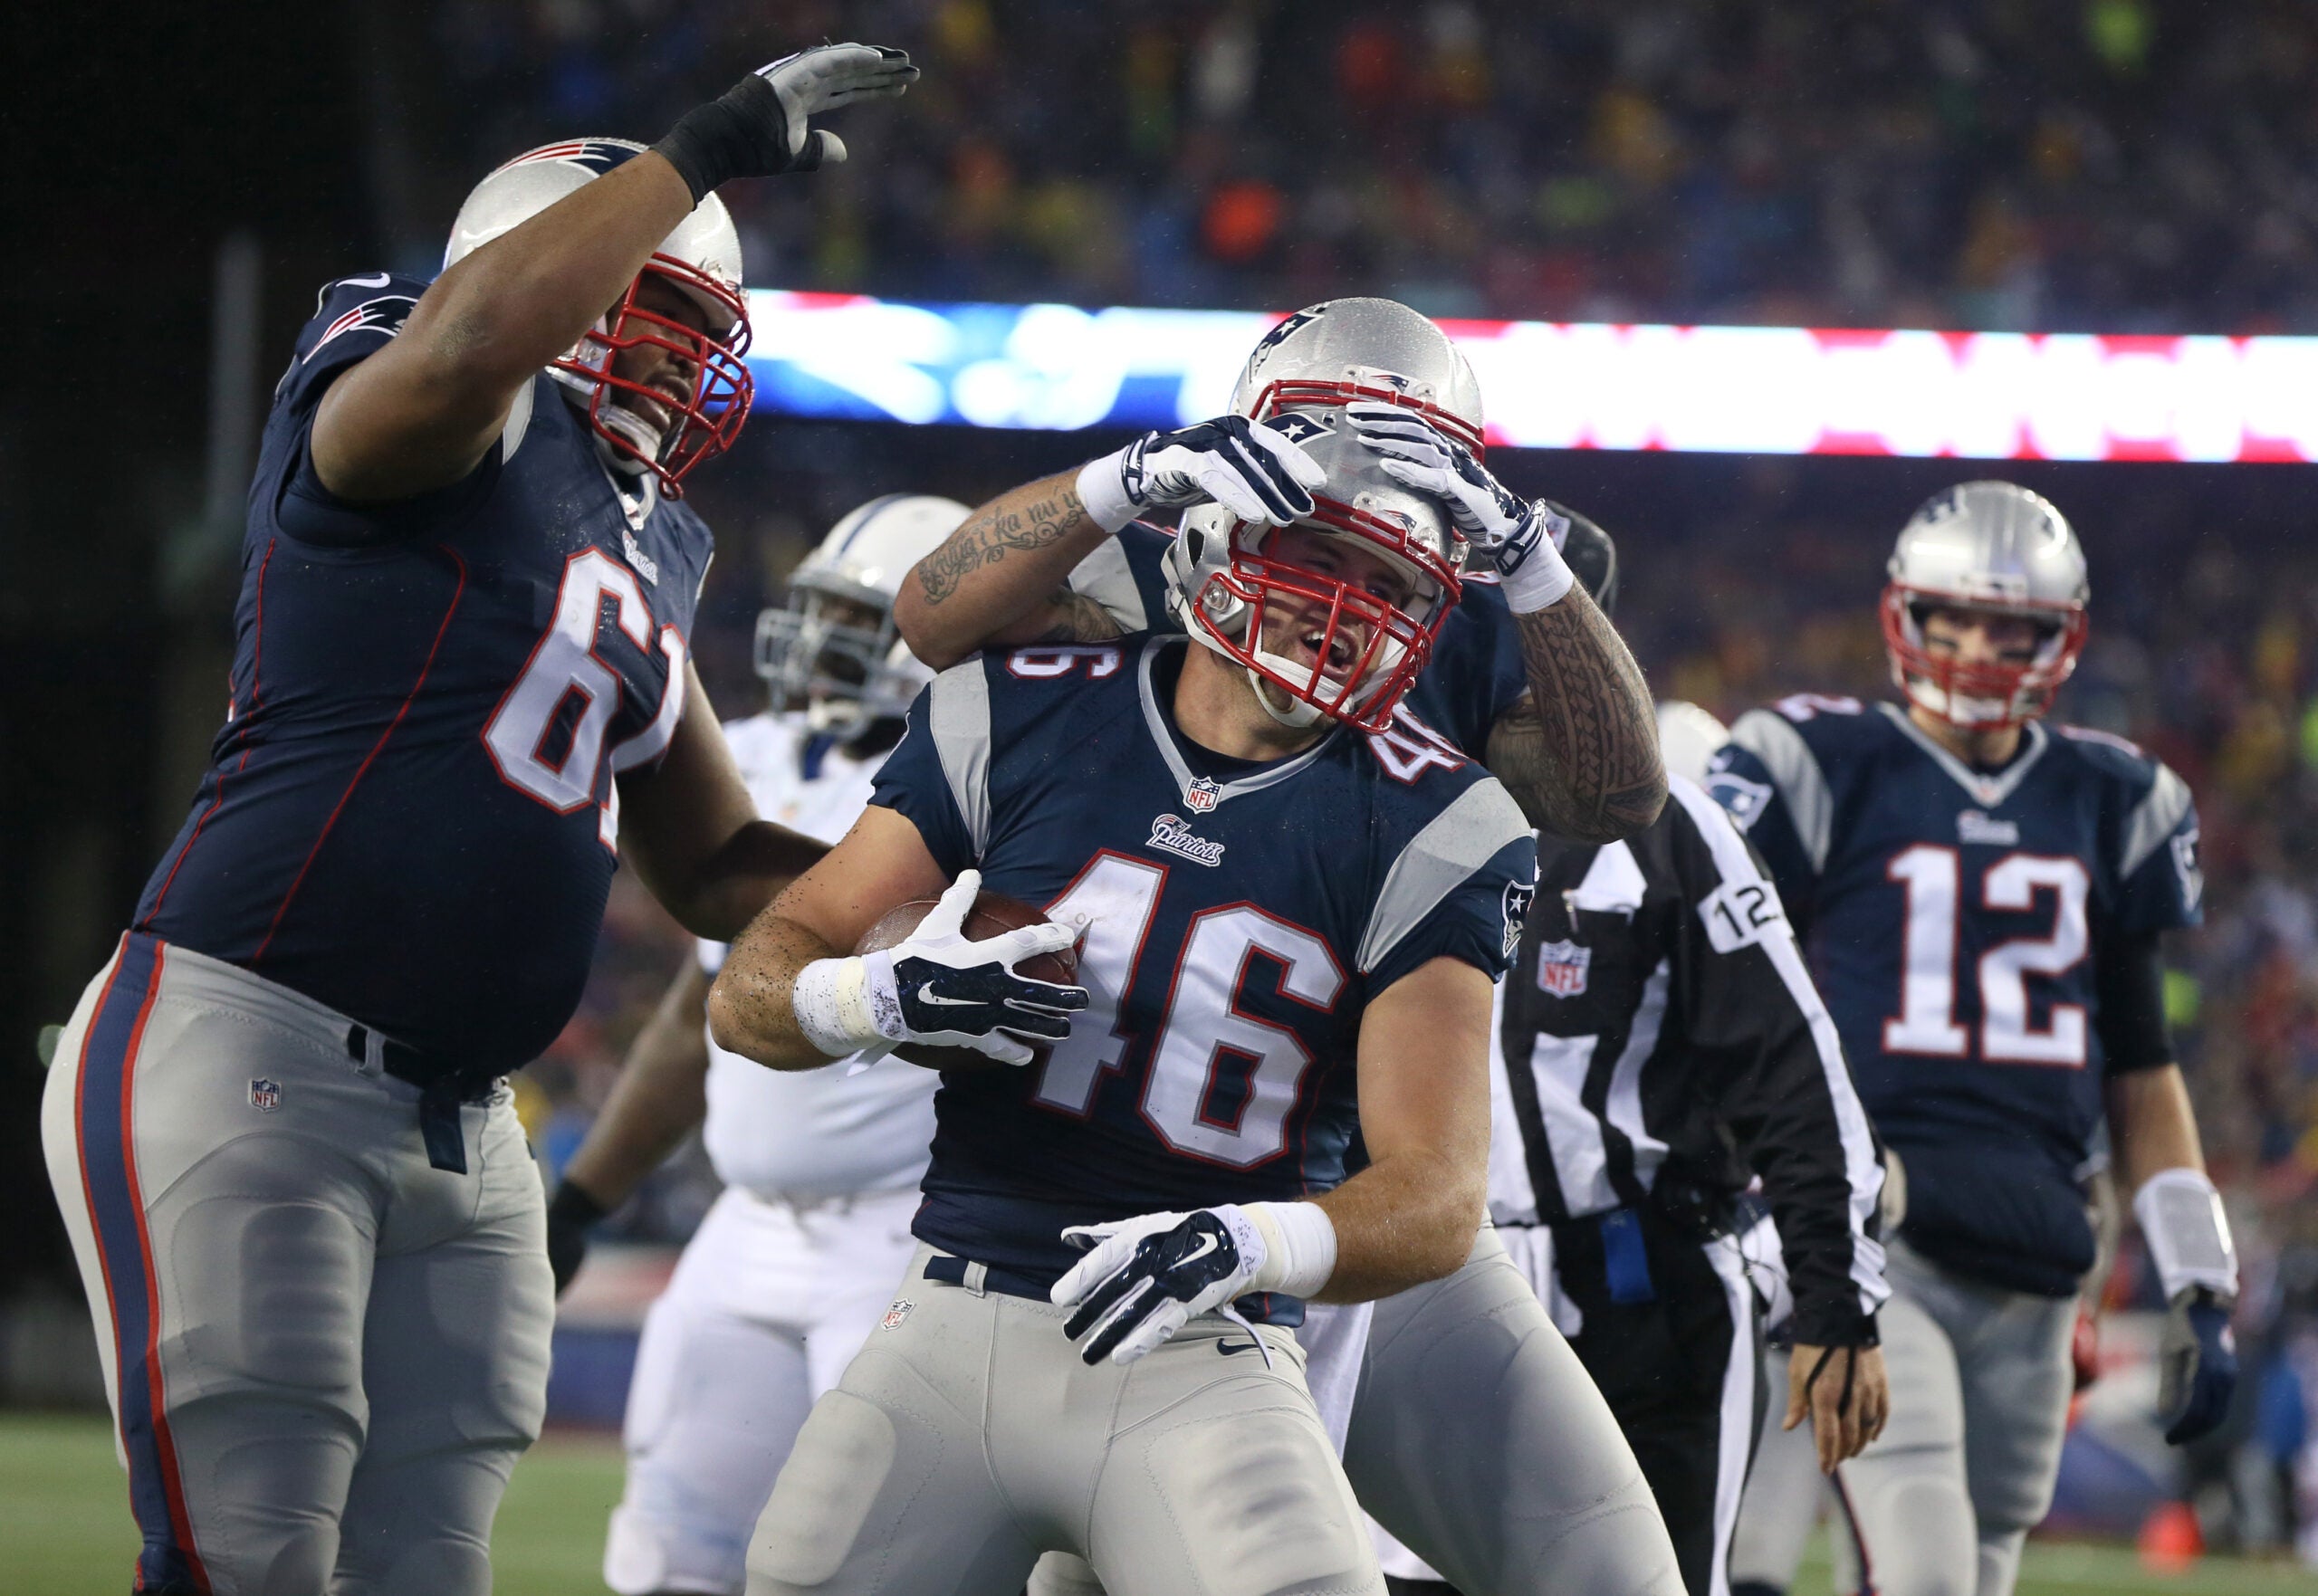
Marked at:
<point>844,1005</point>
<point>2188,1233</point>
<point>1299,1247</point>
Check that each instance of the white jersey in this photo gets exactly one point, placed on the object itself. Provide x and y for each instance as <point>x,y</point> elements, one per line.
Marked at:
<point>806,1136</point>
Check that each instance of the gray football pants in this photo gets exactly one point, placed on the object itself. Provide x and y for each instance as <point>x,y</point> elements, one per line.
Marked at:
<point>1479,1441</point>
<point>967,1437</point>
<point>323,1356</point>
<point>1980,1382</point>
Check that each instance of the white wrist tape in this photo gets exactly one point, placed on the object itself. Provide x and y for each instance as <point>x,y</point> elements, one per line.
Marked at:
<point>2188,1233</point>
<point>1542,580</point>
<point>1299,1247</point>
<point>1102,489</point>
<point>844,1005</point>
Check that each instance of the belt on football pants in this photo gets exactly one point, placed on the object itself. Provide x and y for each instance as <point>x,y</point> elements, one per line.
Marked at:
<point>979,1278</point>
<point>440,1092</point>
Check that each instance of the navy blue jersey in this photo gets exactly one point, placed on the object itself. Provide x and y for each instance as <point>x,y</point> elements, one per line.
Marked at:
<point>1475,675</point>
<point>1243,915</point>
<point>1958,920</point>
<point>410,815</point>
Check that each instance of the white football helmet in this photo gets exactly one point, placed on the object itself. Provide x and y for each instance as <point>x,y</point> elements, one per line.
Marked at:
<point>701,259</point>
<point>1688,737</point>
<point>1985,546</point>
<point>850,676</point>
<point>1220,579</point>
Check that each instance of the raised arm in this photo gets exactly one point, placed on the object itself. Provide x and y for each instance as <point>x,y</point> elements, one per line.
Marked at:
<point>1004,576</point>
<point>421,412</point>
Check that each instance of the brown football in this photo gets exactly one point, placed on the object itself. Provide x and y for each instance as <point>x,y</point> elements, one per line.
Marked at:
<point>993,914</point>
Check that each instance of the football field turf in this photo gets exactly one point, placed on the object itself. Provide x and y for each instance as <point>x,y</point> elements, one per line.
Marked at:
<point>64,1523</point>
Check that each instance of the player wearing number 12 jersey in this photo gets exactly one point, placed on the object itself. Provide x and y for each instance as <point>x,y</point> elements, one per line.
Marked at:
<point>1983,894</point>
<point>1285,941</point>
<point>310,1228</point>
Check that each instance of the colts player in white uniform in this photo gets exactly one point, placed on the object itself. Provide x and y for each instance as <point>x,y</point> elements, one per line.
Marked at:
<point>791,1267</point>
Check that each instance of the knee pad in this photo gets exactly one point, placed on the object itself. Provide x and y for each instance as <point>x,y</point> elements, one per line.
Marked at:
<point>842,1462</point>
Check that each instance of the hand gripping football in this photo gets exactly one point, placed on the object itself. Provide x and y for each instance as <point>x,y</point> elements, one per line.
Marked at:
<point>993,914</point>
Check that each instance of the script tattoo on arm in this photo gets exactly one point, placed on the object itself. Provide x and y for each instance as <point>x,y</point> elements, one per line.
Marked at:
<point>986,538</point>
<point>1579,751</point>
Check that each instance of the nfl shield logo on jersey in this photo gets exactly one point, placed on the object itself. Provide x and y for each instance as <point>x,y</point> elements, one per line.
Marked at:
<point>1201,796</point>
<point>266,1096</point>
<point>1561,968</point>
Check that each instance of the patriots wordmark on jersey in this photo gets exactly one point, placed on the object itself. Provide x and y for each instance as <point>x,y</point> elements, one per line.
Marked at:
<point>1963,924</point>
<point>410,814</point>
<point>1234,941</point>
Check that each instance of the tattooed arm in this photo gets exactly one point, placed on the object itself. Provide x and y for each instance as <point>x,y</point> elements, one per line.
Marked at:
<point>1579,751</point>
<point>1003,577</point>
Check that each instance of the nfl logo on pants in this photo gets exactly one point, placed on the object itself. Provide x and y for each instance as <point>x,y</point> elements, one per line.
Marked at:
<point>266,1096</point>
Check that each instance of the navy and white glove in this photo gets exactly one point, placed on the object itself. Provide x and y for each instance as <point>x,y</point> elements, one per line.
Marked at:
<point>1520,537</point>
<point>938,988</point>
<point>2196,1366</point>
<point>1148,1276</point>
<point>1249,468</point>
<point>758,129</point>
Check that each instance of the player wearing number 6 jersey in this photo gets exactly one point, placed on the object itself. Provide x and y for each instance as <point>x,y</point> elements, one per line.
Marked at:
<point>278,1126</point>
<point>1285,941</point>
<point>1983,893</point>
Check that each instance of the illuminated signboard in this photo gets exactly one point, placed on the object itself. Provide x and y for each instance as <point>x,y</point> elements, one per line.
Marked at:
<point>1771,390</point>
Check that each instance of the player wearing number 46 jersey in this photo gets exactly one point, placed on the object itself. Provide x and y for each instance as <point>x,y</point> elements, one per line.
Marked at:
<point>278,1126</point>
<point>1284,941</point>
<point>1983,893</point>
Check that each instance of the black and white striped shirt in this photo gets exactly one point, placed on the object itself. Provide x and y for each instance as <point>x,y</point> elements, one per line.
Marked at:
<point>1663,1043</point>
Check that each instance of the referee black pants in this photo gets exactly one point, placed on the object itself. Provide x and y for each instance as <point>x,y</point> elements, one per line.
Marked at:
<point>1671,1335</point>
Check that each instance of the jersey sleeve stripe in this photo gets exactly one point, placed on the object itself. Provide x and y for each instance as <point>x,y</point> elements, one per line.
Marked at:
<point>1794,770</point>
<point>959,719</point>
<point>2156,817</point>
<point>1455,843</point>
<point>1105,578</point>
<point>1861,1170</point>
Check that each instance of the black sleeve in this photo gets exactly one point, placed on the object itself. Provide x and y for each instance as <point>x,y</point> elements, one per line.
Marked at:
<point>2128,981</point>
<point>1765,1053</point>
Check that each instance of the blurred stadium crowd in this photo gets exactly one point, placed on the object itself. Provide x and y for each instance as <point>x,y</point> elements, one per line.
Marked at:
<point>2116,165</point>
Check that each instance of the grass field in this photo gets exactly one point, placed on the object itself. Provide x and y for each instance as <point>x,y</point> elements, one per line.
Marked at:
<point>64,1522</point>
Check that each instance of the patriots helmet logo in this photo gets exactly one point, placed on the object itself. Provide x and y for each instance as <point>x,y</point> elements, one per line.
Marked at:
<point>598,154</point>
<point>1518,897</point>
<point>384,314</point>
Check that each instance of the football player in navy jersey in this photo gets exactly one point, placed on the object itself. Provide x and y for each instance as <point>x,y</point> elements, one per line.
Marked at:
<point>1285,941</point>
<point>1518,1481</point>
<point>1983,893</point>
<point>279,1129</point>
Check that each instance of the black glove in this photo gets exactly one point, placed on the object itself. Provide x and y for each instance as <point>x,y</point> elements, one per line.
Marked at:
<point>758,130</point>
<point>572,1213</point>
<point>2196,1366</point>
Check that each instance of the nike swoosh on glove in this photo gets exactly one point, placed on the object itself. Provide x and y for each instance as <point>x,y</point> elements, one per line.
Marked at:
<point>2196,1364</point>
<point>950,991</point>
<point>1497,522</point>
<point>1150,1276</point>
<point>1249,468</point>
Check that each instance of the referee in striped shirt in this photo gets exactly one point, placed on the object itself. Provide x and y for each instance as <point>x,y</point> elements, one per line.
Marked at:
<point>1663,1047</point>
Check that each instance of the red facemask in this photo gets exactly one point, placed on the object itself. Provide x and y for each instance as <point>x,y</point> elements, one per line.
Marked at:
<point>705,425</point>
<point>2021,693</point>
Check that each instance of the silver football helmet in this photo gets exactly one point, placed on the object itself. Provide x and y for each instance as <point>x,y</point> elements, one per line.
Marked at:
<point>1985,546</point>
<point>816,652</point>
<point>1689,737</point>
<point>1219,578</point>
<point>701,260</point>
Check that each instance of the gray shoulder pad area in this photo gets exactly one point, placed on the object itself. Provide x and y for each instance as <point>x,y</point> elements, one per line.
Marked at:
<point>959,719</point>
<point>1802,785</point>
<point>1105,578</point>
<point>1437,861</point>
<point>2156,817</point>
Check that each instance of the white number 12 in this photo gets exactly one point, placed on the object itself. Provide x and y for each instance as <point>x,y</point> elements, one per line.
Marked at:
<point>1926,1023</point>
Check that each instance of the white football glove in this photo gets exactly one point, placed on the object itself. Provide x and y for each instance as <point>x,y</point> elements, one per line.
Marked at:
<point>823,79</point>
<point>1520,537</point>
<point>1249,468</point>
<point>936,987</point>
<point>1148,1276</point>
